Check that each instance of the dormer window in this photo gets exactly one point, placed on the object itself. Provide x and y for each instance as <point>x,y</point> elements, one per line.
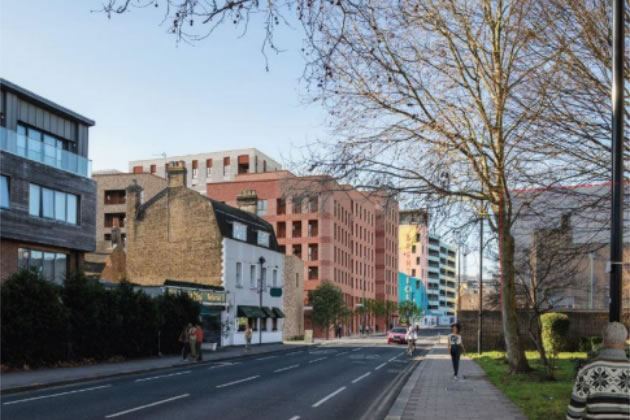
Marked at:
<point>239,231</point>
<point>263,239</point>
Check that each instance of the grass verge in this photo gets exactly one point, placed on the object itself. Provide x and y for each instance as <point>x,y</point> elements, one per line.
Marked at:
<point>538,398</point>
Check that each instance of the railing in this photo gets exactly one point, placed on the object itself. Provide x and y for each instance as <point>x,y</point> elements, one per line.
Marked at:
<point>35,150</point>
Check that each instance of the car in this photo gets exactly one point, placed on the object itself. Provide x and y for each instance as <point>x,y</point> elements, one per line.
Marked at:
<point>397,335</point>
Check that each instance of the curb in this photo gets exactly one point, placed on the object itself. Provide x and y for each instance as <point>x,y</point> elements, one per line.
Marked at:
<point>398,408</point>
<point>36,386</point>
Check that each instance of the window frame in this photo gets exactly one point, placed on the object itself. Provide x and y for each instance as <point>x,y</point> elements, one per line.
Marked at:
<point>239,231</point>
<point>5,180</point>
<point>42,208</point>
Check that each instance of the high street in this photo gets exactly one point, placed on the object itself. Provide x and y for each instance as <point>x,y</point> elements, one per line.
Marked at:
<point>333,381</point>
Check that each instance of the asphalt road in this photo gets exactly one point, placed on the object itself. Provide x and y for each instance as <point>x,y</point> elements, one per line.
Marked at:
<point>328,382</point>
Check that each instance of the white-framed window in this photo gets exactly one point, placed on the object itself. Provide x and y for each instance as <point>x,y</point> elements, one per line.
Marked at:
<point>195,173</point>
<point>263,277</point>
<point>239,274</point>
<point>263,238</point>
<point>252,276</point>
<point>274,278</point>
<point>209,172</point>
<point>239,231</point>
<point>261,207</point>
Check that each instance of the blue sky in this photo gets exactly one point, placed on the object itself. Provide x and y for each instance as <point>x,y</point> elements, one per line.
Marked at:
<point>150,95</point>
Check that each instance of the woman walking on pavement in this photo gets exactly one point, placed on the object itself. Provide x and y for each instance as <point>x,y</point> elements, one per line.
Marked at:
<point>455,348</point>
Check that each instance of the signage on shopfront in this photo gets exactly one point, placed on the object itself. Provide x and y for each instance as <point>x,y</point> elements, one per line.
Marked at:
<point>202,296</point>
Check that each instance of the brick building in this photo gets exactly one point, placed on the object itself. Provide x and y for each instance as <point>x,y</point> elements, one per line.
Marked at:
<point>293,295</point>
<point>331,227</point>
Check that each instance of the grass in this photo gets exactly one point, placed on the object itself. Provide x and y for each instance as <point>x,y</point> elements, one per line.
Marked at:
<point>537,397</point>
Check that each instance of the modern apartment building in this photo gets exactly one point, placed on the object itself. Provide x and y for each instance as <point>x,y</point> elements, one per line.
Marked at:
<point>332,227</point>
<point>47,199</point>
<point>425,256</point>
<point>205,168</point>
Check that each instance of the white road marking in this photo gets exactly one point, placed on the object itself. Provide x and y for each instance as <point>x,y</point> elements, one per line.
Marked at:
<point>293,353</point>
<point>238,382</point>
<point>153,404</point>
<point>380,366</point>
<point>162,376</point>
<point>317,360</point>
<point>224,364</point>
<point>365,375</point>
<point>393,358</point>
<point>327,397</point>
<point>343,352</point>
<point>295,418</point>
<point>286,368</point>
<point>268,357</point>
<point>56,395</point>
<point>357,349</point>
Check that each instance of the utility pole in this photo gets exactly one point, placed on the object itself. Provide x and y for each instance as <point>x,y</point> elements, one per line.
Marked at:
<point>479,328</point>
<point>261,260</point>
<point>616,227</point>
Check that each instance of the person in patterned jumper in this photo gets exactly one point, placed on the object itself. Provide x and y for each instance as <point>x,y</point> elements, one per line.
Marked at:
<point>602,386</point>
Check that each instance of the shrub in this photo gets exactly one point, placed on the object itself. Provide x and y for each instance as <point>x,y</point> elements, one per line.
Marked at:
<point>555,328</point>
<point>137,322</point>
<point>174,312</point>
<point>34,321</point>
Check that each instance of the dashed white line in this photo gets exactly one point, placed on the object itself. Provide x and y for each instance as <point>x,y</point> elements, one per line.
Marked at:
<point>268,357</point>
<point>295,418</point>
<point>327,397</point>
<point>343,352</point>
<point>220,365</point>
<point>317,360</point>
<point>380,366</point>
<point>153,404</point>
<point>286,368</point>
<point>162,376</point>
<point>56,395</point>
<point>361,377</point>
<point>238,382</point>
<point>357,349</point>
<point>393,358</point>
<point>293,353</point>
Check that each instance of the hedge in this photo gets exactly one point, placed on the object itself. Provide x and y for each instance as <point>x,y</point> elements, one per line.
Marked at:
<point>555,328</point>
<point>43,323</point>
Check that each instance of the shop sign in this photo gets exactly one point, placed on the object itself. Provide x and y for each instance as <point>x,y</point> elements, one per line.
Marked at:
<point>200,295</point>
<point>275,292</point>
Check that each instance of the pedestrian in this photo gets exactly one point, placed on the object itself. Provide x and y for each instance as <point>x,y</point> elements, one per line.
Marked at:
<point>248,338</point>
<point>411,340</point>
<point>455,348</point>
<point>602,386</point>
<point>183,338</point>
<point>199,341</point>
<point>192,340</point>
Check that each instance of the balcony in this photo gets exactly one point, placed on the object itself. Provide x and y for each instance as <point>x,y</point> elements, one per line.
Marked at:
<point>36,150</point>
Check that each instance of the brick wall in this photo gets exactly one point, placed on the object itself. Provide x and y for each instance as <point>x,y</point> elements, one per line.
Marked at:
<point>293,292</point>
<point>583,324</point>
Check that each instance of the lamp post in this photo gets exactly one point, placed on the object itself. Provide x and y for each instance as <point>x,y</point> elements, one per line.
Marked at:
<point>616,227</point>
<point>480,326</point>
<point>261,261</point>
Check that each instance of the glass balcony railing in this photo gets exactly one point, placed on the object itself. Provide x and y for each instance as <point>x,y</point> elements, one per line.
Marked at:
<point>38,151</point>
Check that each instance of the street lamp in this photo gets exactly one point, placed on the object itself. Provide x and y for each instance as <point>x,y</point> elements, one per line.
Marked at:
<point>261,261</point>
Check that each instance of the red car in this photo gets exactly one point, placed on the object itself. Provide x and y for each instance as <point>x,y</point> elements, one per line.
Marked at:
<point>397,335</point>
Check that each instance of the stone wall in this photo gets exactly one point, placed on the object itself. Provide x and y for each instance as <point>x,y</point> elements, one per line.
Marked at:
<point>583,324</point>
<point>293,292</point>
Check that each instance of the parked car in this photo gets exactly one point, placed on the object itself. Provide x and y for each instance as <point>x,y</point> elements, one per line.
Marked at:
<point>397,335</point>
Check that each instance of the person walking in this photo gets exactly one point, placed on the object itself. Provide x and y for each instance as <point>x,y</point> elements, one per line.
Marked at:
<point>411,340</point>
<point>199,341</point>
<point>248,338</point>
<point>455,348</point>
<point>183,338</point>
<point>192,340</point>
<point>602,386</point>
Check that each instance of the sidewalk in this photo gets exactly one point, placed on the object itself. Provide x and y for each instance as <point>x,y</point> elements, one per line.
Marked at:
<point>430,393</point>
<point>42,378</point>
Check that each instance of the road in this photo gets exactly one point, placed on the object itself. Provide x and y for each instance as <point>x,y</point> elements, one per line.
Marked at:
<point>333,381</point>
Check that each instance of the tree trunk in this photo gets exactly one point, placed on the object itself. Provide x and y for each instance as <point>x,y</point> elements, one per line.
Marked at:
<point>515,354</point>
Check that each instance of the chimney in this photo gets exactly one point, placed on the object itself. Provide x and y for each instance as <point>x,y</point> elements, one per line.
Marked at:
<point>247,201</point>
<point>176,174</point>
<point>135,194</point>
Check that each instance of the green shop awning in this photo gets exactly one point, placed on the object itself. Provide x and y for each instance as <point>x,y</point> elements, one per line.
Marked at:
<point>245,311</point>
<point>268,312</point>
<point>278,312</point>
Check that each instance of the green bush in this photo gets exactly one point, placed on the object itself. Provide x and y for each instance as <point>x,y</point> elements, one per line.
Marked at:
<point>174,312</point>
<point>555,328</point>
<point>34,321</point>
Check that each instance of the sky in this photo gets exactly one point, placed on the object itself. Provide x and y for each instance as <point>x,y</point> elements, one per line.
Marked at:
<point>149,94</point>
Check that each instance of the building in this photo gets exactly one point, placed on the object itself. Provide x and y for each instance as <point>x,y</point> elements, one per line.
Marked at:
<point>469,294</point>
<point>205,168</point>
<point>425,256</point>
<point>293,295</point>
<point>412,289</point>
<point>111,211</point>
<point>331,227</point>
<point>387,282</point>
<point>47,199</point>
<point>227,259</point>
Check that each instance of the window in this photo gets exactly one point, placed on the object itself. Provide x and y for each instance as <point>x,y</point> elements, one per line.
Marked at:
<point>413,272</point>
<point>297,229</point>
<point>281,206</point>
<point>226,166</point>
<point>263,324</point>
<point>52,265</point>
<point>274,324</point>
<point>297,250</point>
<point>239,231</point>
<point>115,197</point>
<point>208,168</point>
<point>239,275</point>
<point>263,277</point>
<point>417,260</point>
<point>115,220</point>
<point>195,169</point>
<point>312,252</point>
<point>39,146</point>
<point>263,239</point>
<point>261,207</point>
<point>313,205</point>
<point>282,229</point>
<point>313,273</point>
<point>52,204</point>
<point>252,276</point>
<point>312,228</point>
<point>413,249</point>
<point>153,169</point>
<point>5,197</point>
<point>274,278</point>
<point>297,205</point>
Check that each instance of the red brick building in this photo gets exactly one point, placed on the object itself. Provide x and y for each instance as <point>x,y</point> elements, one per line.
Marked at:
<point>336,230</point>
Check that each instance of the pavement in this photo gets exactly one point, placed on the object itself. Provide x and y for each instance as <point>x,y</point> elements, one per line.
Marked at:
<point>336,381</point>
<point>431,393</point>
